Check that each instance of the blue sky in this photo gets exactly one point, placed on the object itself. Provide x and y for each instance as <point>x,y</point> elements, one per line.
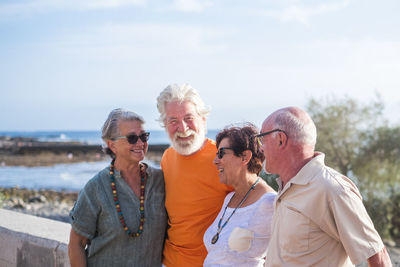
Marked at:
<point>64,64</point>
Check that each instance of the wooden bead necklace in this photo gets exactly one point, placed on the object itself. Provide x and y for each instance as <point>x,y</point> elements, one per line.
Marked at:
<point>117,204</point>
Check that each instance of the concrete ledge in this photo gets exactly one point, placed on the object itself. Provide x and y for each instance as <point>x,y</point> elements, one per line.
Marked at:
<point>27,240</point>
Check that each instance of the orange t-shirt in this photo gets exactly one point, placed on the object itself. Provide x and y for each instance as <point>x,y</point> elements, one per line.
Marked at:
<point>194,196</point>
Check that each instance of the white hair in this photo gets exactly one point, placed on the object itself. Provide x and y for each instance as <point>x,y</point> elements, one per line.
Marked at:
<point>110,128</point>
<point>301,131</point>
<point>181,93</point>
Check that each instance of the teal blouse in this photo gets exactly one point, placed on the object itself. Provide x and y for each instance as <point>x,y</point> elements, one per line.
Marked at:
<point>94,216</point>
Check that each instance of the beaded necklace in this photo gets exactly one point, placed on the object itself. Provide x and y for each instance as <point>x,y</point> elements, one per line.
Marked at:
<point>220,227</point>
<point>117,205</point>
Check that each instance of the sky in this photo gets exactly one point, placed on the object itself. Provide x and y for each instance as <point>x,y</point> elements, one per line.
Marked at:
<point>65,64</point>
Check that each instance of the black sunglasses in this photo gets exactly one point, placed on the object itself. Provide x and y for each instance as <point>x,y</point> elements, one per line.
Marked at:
<point>133,138</point>
<point>221,152</point>
<point>270,132</point>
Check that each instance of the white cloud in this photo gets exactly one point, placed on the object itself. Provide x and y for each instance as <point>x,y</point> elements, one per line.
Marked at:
<point>303,15</point>
<point>100,4</point>
<point>122,42</point>
<point>32,7</point>
<point>191,5</point>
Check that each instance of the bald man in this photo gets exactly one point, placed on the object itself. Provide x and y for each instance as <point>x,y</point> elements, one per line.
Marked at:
<point>319,217</point>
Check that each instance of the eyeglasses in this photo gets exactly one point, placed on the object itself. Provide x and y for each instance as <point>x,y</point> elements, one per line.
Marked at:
<point>133,138</point>
<point>221,152</point>
<point>258,136</point>
<point>270,132</point>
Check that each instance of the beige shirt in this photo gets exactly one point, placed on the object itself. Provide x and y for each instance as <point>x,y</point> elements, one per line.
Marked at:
<point>320,220</point>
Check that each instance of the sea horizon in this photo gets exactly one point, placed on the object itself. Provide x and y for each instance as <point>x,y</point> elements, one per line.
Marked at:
<point>90,137</point>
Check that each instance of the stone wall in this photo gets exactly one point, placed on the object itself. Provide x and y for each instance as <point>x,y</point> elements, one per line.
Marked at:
<point>27,240</point>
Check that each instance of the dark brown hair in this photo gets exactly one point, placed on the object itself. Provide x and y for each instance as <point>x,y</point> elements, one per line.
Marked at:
<point>241,139</point>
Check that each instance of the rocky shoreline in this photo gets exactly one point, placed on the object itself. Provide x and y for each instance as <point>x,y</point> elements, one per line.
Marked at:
<point>49,204</point>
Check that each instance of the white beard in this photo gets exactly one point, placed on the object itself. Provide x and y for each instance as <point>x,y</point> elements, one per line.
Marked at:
<point>186,148</point>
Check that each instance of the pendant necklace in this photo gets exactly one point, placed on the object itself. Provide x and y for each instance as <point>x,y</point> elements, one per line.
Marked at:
<point>220,227</point>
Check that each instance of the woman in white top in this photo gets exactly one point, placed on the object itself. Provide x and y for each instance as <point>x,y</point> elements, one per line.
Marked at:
<point>240,234</point>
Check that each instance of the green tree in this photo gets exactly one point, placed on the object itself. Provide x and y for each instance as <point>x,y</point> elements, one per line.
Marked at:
<point>358,142</point>
<point>378,170</point>
<point>378,163</point>
<point>342,127</point>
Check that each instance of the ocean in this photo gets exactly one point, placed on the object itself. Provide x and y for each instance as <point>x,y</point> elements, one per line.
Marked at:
<point>64,177</point>
<point>157,137</point>
<point>87,137</point>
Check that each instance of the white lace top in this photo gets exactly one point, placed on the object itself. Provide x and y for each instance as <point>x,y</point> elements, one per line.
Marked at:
<point>244,239</point>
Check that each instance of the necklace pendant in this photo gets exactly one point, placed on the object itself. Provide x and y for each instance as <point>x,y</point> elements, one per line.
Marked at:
<point>215,238</point>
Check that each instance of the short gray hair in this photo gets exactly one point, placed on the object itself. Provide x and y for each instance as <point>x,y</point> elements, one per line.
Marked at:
<point>180,93</point>
<point>300,131</point>
<point>110,128</point>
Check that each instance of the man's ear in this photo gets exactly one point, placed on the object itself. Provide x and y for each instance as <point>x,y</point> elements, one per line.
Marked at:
<point>282,139</point>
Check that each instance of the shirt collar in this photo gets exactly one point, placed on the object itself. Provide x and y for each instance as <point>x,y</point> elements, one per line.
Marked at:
<point>117,174</point>
<point>307,172</point>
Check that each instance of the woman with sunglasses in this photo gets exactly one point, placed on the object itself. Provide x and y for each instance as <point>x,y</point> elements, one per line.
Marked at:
<point>119,218</point>
<point>240,234</point>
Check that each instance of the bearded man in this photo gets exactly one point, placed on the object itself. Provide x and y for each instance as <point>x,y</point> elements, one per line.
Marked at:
<point>194,195</point>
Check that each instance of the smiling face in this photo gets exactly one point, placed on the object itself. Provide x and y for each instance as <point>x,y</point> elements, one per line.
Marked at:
<point>123,150</point>
<point>229,165</point>
<point>185,127</point>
